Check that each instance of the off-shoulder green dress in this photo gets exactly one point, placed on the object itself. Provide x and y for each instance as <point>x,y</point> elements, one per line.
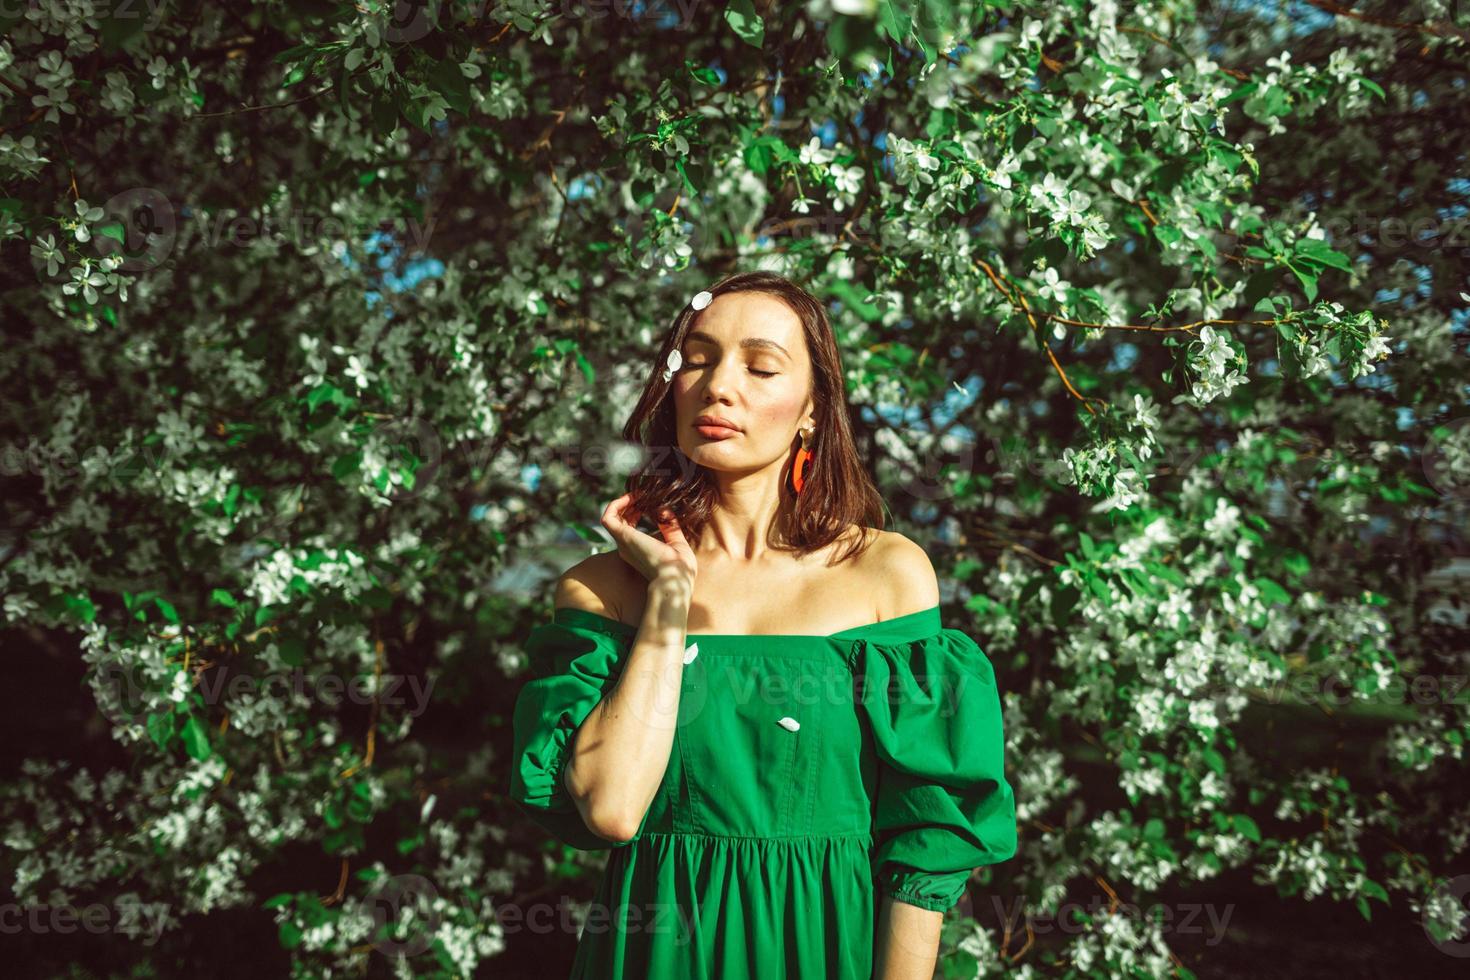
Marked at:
<point>809,775</point>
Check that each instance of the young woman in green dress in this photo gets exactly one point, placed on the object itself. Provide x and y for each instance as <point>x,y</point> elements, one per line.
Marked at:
<point>794,766</point>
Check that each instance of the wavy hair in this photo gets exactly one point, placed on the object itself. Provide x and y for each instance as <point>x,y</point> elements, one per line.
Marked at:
<point>837,491</point>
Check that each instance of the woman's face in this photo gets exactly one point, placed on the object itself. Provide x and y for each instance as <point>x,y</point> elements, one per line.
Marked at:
<point>746,362</point>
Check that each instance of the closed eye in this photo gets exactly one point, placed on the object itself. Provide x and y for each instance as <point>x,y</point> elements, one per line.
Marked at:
<point>763,374</point>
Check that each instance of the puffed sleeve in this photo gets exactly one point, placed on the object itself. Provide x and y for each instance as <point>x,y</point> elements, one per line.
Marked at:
<point>572,666</point>
<point>943,805</point>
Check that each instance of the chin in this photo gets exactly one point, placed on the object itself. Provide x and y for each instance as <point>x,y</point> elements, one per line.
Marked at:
<point>711,452</point>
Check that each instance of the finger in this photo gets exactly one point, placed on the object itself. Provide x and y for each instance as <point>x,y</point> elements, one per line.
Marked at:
<point>672,532</point>
<point>621,518</point>
<point>612,515</point>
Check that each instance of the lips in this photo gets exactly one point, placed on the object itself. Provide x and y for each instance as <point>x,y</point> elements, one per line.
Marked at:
<point>716,428</point>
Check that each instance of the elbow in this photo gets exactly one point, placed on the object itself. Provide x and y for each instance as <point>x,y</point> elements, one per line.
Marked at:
<point>614,825</point>
<point>616,828</point>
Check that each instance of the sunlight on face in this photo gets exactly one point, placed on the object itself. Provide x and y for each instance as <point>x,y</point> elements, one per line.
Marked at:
<point>746,361</point>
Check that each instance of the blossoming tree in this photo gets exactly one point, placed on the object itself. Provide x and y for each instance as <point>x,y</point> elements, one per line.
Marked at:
<point>321,321</point>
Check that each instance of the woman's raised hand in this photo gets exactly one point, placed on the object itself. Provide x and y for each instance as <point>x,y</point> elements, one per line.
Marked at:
<point>652,557</point>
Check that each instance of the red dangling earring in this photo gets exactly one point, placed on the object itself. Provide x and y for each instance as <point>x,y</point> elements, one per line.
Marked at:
<point>802,462</point>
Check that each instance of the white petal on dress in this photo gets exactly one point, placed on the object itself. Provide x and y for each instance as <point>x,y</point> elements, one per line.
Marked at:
<point>789,723</point>
<point>691,652</point>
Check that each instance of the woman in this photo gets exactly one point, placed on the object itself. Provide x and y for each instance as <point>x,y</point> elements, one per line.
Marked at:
<point>757,711</point>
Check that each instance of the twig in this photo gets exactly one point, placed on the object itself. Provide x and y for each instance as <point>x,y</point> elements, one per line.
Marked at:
<point>253,108</point>
<point>336,896</point>
<point>1436,28</point>
<point>1186,327</point>
<point>1019,301</point>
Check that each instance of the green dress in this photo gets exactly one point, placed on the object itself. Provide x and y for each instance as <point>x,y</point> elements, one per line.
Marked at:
<point>808,776</point>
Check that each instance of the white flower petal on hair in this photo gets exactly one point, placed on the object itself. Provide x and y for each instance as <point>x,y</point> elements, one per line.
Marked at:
<point>675,359</point>
<point>701,299</point>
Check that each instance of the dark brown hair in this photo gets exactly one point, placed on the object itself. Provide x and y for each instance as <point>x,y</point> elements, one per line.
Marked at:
<point>837,491</point>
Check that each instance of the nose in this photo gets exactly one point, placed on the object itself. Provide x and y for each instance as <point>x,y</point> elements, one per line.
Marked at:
<point>721,380</point>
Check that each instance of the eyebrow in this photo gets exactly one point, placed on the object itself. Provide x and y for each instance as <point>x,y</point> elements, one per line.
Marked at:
<point>758,342</point>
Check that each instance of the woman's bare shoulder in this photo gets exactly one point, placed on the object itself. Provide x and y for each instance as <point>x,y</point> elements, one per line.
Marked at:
<point>601,583</point>
<point>901,574</point>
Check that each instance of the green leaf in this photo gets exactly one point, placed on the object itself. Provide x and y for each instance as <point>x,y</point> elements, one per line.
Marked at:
<point>759,154</point>
<point>850,37</point>
<point>113,230</point>
<point>587,533</point>
<point>324,392</point>
<point>894,22</point>
<point>688,184</point>
<point>1168,235</point>
<point>745,22</point>
<point>1241,91</point>
<point>79,607</point>
<point>1272,591</point>
<point>292,650</point>
<point>1168,573</point>
<point>586,366</point>
<point>1088,548</point>
<point>293,53</point>
<point>290,934</point>
<point>1320,252</point>
<point>196,739</point>
<point>446,78</point>
<point>346,466</point>
<point>1063,601</point>
<point>160,727</point>
<point>1246,827</point>
<point>169,612</point>
<point>223,597</point>
<point>1308,280</point>
<point>231,503</point>
<point>1258,286</point>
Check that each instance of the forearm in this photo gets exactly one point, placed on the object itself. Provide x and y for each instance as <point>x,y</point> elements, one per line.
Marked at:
<point>907,941</point>
<point>621,751</point>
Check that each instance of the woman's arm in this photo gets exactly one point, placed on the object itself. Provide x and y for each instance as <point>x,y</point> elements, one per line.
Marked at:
<point>907,940</point>
<point>907,945</point>
<point>621,751</point>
